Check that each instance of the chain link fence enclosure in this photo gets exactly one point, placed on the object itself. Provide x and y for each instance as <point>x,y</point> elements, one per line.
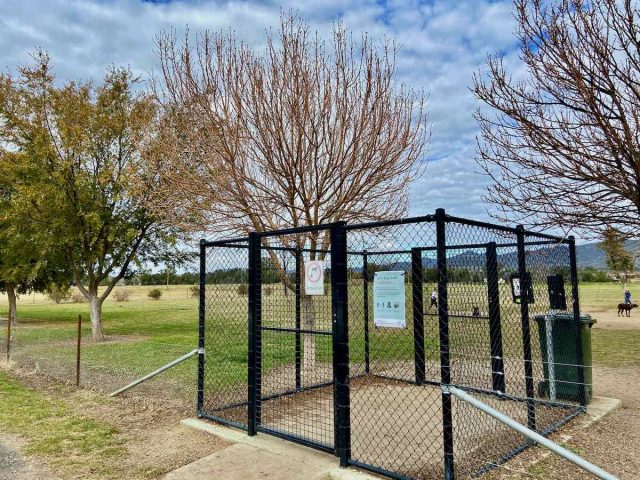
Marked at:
<point>479,303</point>
<point>222,386</point>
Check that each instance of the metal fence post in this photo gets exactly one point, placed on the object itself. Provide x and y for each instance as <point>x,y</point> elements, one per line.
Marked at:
<point>495,326</point>
<point>8,338</point>
<point>340,341</point>
<point>365,282</point>
<point>418,315</point>
<point>445,360</point>
<point>201,327</point>
<point>298,319</point>
<point>526,328</point>
<point>576,318</point>
<point>78,346</point>
<point>254,354</point>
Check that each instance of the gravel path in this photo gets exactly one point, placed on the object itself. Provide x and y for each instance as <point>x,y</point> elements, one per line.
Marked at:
<point>12,465</point>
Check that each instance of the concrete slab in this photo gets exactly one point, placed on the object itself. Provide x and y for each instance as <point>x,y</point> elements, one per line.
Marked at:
<point>246,461</point>
<point>267,457</point>
<point>601,406</point>
<point>262,457</point>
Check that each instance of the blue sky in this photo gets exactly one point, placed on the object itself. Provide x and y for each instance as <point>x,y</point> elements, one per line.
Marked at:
<point>442,42</point>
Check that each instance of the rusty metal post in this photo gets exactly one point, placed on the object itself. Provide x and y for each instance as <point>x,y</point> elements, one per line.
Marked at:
<point>78,350</point>
<point>8,337</point>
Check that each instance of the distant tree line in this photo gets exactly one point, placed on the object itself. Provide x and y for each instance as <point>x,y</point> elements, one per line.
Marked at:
<point>592,274</point>
<point>270,276</point>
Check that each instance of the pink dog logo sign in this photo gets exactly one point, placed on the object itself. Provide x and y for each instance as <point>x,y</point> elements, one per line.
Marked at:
<point>314,277</point>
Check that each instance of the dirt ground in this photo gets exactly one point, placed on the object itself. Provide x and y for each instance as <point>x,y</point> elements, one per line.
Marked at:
<point>609,320</point>
<point>611,443</point>
<point>155,441</point>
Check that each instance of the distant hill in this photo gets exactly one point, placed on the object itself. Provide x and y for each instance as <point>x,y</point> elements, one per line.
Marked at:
<point>590,255</point>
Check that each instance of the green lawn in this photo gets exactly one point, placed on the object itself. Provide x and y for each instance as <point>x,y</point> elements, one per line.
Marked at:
<point>616,348</point>
<point>147,333</point>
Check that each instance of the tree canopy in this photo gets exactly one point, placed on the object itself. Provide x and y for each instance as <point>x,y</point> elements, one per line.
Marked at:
<point>620,259</point>
<point>22,268</point>
<point>303,133</point>
<point>79,161</point>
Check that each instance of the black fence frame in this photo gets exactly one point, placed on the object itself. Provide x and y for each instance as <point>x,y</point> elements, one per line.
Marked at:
<point>255,243</point>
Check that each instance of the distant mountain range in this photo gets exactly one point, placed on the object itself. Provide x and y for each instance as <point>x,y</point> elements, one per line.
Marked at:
<point>588,255</point>
<point>591,255</point>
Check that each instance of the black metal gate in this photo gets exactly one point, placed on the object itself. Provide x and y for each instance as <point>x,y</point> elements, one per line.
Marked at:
<point>296,347</point>
<point>318,370</point>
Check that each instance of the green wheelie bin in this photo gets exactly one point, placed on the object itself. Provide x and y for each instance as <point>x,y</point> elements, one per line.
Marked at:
<point>560,356</point>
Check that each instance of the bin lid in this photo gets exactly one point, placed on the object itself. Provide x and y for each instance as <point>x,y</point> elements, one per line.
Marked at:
<point>585,319</point>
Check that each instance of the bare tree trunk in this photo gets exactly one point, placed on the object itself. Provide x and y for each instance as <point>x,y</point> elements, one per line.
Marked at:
<point>11,294</point>
<point>95,313</point>
<point>308,323</point>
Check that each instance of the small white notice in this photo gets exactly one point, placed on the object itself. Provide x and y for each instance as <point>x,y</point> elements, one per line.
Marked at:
<point>314,277</point>
<point>389,299</point>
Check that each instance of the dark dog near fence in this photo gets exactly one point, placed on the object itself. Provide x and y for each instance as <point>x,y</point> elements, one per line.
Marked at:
<point>626,307</point>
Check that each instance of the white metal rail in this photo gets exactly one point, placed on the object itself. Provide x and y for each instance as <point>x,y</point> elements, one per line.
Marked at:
<point>156,372</point>
<point>536,437</point>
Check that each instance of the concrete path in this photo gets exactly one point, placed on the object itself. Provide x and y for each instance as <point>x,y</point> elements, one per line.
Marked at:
<point>246,461</point>
<point>261,457</point>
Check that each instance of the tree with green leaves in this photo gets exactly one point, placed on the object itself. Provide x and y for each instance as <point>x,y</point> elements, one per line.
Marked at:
<point>619,258</point>
<point>21,269</point>
<point>85,200</point>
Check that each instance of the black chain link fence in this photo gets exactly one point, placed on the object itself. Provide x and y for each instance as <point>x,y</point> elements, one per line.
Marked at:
<point>480,312</point>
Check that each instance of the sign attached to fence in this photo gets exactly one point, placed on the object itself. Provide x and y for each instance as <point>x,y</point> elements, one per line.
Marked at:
<point>389,299</point>
<point>314,277</point>
<point>517,287</point>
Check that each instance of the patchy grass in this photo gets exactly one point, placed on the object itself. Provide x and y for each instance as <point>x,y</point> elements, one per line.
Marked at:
<point>72,441</point>
<point>601,297</point>
<point>616,348</point>
<point>51,429</point>
<point>82,434</point>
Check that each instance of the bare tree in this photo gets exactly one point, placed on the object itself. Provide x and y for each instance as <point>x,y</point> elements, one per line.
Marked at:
<point>562,145</point>
<point>300,134</point>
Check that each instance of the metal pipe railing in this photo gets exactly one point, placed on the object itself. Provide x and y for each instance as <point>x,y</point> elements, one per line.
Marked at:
<point>156,372</point>
<point>536,437</point>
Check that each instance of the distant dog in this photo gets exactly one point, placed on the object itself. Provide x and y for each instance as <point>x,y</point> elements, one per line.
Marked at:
<point>626,307</point>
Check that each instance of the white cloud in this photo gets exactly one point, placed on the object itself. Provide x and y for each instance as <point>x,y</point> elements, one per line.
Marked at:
<point>443,44</point>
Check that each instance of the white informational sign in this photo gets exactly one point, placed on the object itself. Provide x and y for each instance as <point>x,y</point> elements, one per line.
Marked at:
<point>389,299</point>
<point>515,285</point>
<point>314,277</point>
